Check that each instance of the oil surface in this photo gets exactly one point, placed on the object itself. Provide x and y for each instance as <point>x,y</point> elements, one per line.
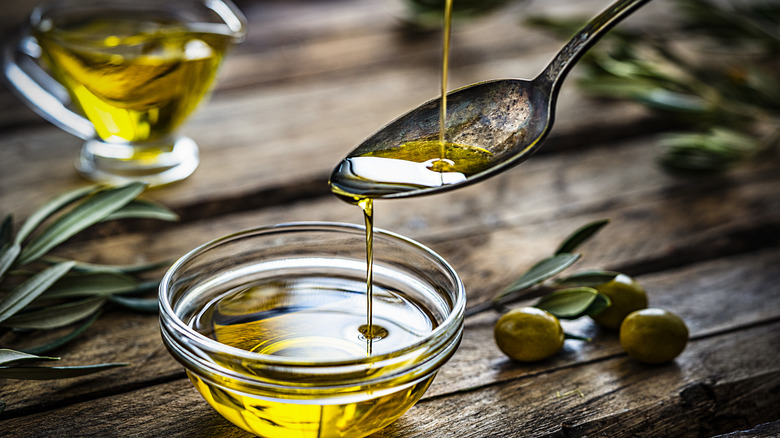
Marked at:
<point>312,317</point>
<point>134,79</point>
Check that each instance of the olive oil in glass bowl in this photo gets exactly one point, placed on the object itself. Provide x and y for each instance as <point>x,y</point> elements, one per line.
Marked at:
<point>267,324</point>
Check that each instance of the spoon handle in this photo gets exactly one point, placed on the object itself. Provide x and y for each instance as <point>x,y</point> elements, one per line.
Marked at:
<point>556,71</point>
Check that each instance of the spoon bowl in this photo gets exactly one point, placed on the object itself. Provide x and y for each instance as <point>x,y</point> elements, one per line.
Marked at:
<point>507,118</point>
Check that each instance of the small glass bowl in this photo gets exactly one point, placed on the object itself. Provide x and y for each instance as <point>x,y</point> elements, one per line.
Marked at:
<point>330,390</point>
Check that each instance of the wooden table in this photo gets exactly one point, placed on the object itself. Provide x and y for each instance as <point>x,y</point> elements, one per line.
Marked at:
<point>314,78</point>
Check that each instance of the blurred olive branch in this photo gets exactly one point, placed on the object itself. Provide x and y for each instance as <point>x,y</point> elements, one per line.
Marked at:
<point>716,70</point>
<point>42,293</point>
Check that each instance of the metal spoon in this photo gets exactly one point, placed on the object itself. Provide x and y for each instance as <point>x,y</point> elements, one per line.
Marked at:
<point>510,118</point>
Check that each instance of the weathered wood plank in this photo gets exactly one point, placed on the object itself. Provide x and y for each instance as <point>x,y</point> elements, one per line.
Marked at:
<point>543,190</point>
<point>700,392</point>
<point>260,142</point>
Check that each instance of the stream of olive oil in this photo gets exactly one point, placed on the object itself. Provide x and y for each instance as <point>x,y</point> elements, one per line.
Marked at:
<point>445,67</point>
<point>417,164</point>
<point>366,203</point>
<point>421,150</point>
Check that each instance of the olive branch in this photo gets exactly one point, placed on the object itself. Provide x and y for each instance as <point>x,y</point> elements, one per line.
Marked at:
<point>42,293</point>
<point>722,85</point>
<point>566,297</point>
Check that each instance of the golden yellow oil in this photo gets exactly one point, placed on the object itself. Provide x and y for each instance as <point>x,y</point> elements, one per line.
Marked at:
<point>135,79</point>
<point>410,166</point>
<point>274,418</point>
<point>370,331</point>
<point>312,318</point>
<point>445,62</point>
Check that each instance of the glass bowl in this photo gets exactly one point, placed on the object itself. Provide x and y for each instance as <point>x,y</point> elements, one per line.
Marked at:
<point>267,324</point>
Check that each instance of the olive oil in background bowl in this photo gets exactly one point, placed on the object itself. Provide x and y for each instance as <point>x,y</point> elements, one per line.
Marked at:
<point>124,75</point>
<point>135,78</point>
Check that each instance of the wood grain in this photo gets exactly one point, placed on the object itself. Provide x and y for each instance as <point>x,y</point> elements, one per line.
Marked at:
<point>295,97</point>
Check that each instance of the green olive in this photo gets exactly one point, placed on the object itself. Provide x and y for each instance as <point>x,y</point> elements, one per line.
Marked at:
<point>528,334</point>
<point>625,295</point>
<point>653,335</point>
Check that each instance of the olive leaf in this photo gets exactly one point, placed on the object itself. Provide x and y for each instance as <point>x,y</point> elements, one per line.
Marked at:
<point>676,101</point>
<point>90,211</point>
<point>581,235</point>
<point>93,268</point>
<point>51,373</point>
<point>587,278</point>
<point>146,305</point>
<point>7,256</point>
<point>9,250</point>
<point>539,272</point>
<point>600,303</point>
<point>8,357</point>
<point>92,284</point>
<point>28,291</point>
<point>64,339</point>
<point>567,335</point>
<point>616,88</point>
<point>50,208</point>
<point>572,303</point>
<point>716,149</point>
<point>142,209</point>
<point>55,316</point>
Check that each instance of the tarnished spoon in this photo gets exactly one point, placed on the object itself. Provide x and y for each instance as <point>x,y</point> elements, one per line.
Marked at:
<point>509,118</point>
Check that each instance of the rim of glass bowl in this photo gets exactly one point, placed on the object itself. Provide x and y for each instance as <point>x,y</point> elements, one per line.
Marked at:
<point>168,316</point>
<point>226,10</point>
